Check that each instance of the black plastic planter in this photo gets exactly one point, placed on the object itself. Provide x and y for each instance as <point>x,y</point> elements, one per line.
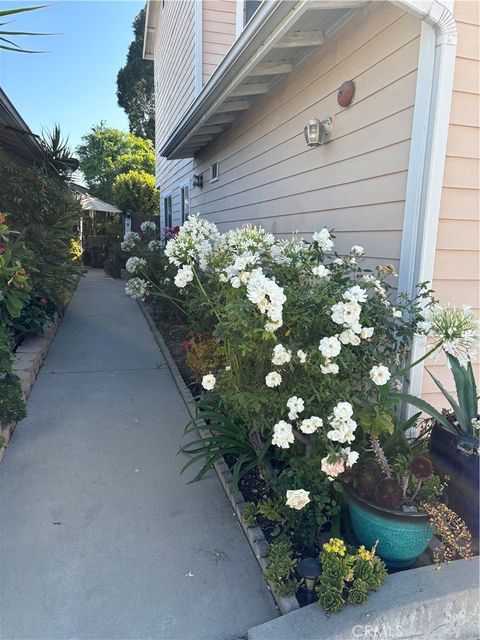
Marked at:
<point>458,457</point>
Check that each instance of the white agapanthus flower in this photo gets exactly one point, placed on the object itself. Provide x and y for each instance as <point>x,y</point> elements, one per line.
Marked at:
<point>380,375</point>
<point>193,242</point>
<point>281,355</point>
<point>330,347</point>
<point>184,276</point>
<point>130,239</point>
<point>357,250</point>
<point>136,288</point>
<point>321,271</point>
<point>329,367</point>
<point>154,245</point>
<point>456,328</point>
<point>424,327</point>
<point>324,239</point>
<point>148,225</point>
<point>283,435</point>
<point>355,294</point>
<point>244,239</point>
<point>209,381</point>
<point>310,425</point>
<point>295,406</point>
<point>273,379</point>
<point>133,264</point>
<point>297,498</point>
<point>302,356</point>
<point>346,313</point>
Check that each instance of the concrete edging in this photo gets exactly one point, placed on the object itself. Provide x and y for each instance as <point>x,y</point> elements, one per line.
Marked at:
<point>254,535</point>
<point>28,359</point>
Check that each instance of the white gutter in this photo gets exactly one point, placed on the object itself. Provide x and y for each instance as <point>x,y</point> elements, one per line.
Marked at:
<point>438,47</point>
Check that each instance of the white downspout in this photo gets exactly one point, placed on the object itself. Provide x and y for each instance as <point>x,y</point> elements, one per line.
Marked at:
<point>438,47</point>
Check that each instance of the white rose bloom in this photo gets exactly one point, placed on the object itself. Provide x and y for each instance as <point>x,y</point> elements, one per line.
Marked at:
<point>339,262</point>
<point>321,271</point>
<point>295,406</point>
<point>281,355</point>
<point>222,278</point>
<point>396,313</point>
<point>346,313</point>
<point>330,347</point>
<point>283,435</point>
<point>297,498</point>
<point>302,356</point>
<point>380,375</point>
<point>209,381</point>
<point>271,327</point>
<point>310,425</point>
<point>349,337</point>
<point>184,276</point>
<point>235,282</point>
<point>357,250</point>
<point>366,332</point>
<point>351,457</point>
<point>355,294</point>
<point>324,239</point>
<point>344,431</point>
<point>273,379</point>
<point>343,410</point>
<point>329,367</point>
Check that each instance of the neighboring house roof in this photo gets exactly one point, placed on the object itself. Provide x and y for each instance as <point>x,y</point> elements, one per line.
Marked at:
<point>90,203</point>
<point>16,138</point>
<point>278,37</point>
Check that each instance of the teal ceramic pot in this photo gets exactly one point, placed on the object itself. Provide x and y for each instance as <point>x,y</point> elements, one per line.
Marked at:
<point>401,536</point>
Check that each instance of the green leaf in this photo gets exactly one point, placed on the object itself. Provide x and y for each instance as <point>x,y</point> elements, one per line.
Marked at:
<point>466,389</point>
<point>455,406</point>
<point>426,408</point>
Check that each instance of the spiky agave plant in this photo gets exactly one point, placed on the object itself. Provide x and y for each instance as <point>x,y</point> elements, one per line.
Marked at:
<point>8,44</point>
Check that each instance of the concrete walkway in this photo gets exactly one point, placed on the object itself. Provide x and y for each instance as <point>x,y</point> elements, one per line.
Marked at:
<point>101,538</point>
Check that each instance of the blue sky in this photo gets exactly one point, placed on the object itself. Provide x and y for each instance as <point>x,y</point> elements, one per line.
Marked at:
<point>74,82</point>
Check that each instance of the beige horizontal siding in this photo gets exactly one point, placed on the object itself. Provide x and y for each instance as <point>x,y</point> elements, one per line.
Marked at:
<point>218,33</point>
<point>457,262</point>
<point>174,89</point>
<point>356,183</point>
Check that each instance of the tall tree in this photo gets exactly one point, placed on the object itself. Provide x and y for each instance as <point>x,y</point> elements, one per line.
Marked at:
<point>107,152</point>
<point>135,192</point>
<point>135,85</point>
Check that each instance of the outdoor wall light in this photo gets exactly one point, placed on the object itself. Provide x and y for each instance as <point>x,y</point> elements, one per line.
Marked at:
<point>197,181</point>
<point>318,132</point>
<point>309,569</point>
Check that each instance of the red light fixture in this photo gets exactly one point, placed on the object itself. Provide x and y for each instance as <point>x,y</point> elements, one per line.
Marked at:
<point>346,93</point>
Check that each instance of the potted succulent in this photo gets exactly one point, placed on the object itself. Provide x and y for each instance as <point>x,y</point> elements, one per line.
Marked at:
<point>454,441</point>
<point>401,505</point>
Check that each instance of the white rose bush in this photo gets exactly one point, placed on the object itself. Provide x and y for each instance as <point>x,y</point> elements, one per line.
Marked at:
<point>309,348</point>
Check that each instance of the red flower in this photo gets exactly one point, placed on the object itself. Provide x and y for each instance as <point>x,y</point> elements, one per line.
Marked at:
<point>43,301</point>
<point>186,345</point>
<point>2,250</point>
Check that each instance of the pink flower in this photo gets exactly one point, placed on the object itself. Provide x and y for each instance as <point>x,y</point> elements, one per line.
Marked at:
<point>333,469</point>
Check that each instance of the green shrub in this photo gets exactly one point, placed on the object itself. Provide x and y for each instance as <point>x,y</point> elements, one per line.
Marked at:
<point>12,404</point>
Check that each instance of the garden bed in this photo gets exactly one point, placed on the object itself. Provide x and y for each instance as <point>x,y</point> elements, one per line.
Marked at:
<point>251,487</point>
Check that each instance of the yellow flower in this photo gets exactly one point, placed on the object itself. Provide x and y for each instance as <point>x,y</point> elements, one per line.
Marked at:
<point>364,554</point>
<point>335,545</point>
